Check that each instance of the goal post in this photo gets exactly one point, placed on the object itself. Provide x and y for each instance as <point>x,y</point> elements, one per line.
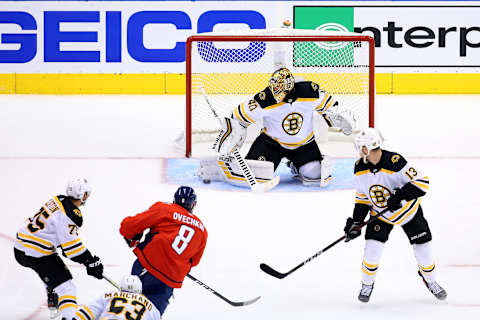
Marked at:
<point>230,67</point>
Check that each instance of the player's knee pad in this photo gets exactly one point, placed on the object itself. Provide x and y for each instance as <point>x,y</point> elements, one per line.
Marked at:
<point>67,298</point>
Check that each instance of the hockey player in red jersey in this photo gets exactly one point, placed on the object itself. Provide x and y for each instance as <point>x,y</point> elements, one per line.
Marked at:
<point>174,244</point>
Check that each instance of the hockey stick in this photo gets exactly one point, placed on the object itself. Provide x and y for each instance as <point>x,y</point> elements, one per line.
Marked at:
<point>113,283</point>
<point>232,303</point>
<point>247,172</point>
<point>274,273</point>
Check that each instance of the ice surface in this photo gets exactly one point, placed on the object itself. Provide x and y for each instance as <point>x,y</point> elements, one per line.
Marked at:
<point>123,145</point>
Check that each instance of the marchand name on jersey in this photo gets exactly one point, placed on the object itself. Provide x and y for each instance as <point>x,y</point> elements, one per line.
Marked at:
<point>185,219</point>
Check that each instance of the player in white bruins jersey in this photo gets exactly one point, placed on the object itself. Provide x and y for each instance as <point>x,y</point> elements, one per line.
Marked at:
<point>127,304</point>
<point>287,109</point>
<point>55,225</point>
<point>385,180</point>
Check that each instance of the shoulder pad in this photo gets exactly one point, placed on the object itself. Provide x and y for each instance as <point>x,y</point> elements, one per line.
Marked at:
<point>306,89</point>
<point>360,166</point>
<point>71,210</point>
<point>393,161</point>
<point>265,98</point>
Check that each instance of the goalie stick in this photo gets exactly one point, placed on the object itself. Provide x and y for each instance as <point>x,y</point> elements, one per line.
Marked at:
<point>230,302</point>
<point>274,273</point>
<point>242,163</point>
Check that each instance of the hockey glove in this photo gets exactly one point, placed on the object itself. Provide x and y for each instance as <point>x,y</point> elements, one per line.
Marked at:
<point>394,202</point>
<point>132,243</point>
<point>352,229</point>
<point>95,267</point>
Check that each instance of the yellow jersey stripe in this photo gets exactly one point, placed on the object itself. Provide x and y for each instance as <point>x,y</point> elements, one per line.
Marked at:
<point>60,205</point>
<point>368,272</point>
<point>294,144</point>
<point>362,201</point>
<point>321,105</point>
<point>273,106</point>
<point>36,239</point>
<point>69,254</point>
<point>80,315</point>
<point>387,171</point>
<point>360,195</point>
<point>45,252</point>
<point>414,210</point>
<point>370,265</point>
<point>66,244</point>
<point>427,269</point>
<point>359,173</point>
<point>420,185</point>
<point>67,297</point>
<point>245,114</point>
<point>67,305</point>
<point>89,312</point>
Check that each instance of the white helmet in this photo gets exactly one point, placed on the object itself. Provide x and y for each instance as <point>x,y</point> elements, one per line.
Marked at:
<point>78,188</point>
<point>131,284</point>
<point>370,138</point>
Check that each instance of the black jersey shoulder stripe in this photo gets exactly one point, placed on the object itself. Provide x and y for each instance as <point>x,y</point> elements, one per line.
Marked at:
<point>306,89</point>
<point>71,210</point>
<point>265,98</point>
<point>392,161</point>
<point>360,166</point>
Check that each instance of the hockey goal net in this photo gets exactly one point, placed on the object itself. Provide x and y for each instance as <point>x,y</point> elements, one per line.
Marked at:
<point>231,67</point>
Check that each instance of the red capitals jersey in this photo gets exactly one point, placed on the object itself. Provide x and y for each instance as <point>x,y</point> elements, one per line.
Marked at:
<point>175,243</point>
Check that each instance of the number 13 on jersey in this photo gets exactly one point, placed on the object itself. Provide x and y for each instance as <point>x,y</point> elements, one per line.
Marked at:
<point>184,236</point>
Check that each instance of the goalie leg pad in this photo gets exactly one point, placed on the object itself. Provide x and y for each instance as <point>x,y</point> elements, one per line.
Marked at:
<point>316,173</point>
<point>225,168</point>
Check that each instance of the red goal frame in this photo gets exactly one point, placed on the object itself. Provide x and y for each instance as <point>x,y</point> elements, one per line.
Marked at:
<point>272,38</point>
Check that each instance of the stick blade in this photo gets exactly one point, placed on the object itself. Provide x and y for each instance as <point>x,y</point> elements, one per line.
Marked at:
<point>266,186</point>
<point>245,303</point>
<point>274,273</point>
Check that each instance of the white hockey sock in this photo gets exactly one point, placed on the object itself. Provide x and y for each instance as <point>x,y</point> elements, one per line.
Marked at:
<point>371,258</point>
<point>67,299</point>
<point>424,255</point>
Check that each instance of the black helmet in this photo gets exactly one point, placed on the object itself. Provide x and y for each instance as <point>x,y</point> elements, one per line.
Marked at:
<point>185,197</point>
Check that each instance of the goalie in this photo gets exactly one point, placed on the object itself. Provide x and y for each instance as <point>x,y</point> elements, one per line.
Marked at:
<point>287,109</point>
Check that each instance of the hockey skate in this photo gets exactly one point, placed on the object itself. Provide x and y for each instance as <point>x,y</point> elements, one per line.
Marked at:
<point>365,292</point>
<point>52,304</point>
<point>434,288</point>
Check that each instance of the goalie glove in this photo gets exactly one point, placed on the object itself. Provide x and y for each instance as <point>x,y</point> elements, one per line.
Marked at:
<point>231,136</point>
<point>343,119</point>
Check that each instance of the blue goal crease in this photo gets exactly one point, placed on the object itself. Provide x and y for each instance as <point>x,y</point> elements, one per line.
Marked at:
<point>182,172</point>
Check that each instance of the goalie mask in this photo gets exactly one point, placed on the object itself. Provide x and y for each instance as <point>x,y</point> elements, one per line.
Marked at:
<point>369,138</point>
<point>281,83</point>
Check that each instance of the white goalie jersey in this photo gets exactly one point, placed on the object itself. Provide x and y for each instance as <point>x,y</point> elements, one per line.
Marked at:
<point>55,224</point>
<point>289,122</point>
<point>119,306</point>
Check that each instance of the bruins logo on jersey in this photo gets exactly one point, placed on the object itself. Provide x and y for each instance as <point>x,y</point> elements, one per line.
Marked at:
<point>262,95</point>
<point>292,123</point>
<point>395,158</point>
<point>77,212</point>
<point>379,195</point>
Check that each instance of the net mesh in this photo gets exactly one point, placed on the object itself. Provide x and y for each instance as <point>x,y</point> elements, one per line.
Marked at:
<point>230,72</point>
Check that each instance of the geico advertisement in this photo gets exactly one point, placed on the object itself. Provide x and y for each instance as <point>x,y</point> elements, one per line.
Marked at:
<point>149,37</point>
<point>405,36</point>
<point>110,37</point>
